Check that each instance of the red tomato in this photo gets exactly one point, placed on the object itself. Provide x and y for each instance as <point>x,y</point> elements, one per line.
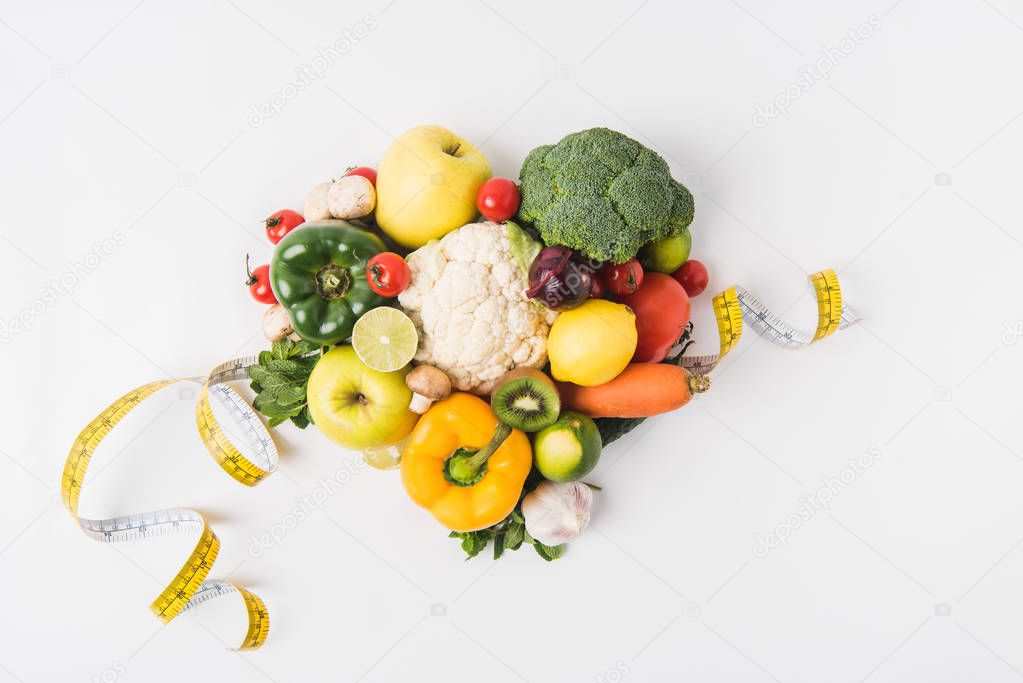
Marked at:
<point>596,287</point>
<point>498,199</point>
<point>692,276</point>
<point>662,312</point>
<point>621,279</point>
<point>280,223</point>
<point>259,283</point>
<point>366,172</point>
<point>388,274</point>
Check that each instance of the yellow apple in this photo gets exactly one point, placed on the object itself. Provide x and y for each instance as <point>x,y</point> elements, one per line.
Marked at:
<point>427,184</point>
<point>358,407</point>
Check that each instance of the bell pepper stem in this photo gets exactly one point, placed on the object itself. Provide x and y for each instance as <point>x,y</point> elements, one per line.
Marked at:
<point>332,281</point>
<point>466,467</point>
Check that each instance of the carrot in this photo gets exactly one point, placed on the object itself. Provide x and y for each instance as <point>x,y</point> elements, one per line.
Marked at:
<point>641,390</point>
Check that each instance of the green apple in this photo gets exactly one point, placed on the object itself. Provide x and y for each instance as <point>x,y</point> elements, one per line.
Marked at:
<point>427,185</point>
<point>358,407</point>
<point>667,255</point>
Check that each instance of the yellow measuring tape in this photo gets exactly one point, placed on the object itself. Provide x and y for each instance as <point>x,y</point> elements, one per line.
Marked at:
<point>190,586</point>
<point>736,304</point>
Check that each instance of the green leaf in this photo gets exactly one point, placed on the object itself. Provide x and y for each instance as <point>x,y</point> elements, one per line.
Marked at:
<point>473,542</point>
<point>498,545</point>
<point>291,395</point>
<point>282,349</point>
<point>301,420</point>
<point>274,421</point>
<point>304,347</point>
<point>549,552</point>
<point>257,373</point>
<point>514,536</point>
<point>292,369</point>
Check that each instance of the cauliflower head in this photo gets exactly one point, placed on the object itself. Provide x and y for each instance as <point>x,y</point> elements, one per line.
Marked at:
<point>467,300</point>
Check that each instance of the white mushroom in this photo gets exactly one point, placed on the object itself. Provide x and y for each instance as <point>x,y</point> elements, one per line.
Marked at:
<point>351,197</point>
<point>428,384</point>
<point>316,208</point>
<point>277,324</point>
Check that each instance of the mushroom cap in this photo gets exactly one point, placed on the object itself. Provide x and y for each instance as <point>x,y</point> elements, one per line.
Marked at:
<point>429,381</point>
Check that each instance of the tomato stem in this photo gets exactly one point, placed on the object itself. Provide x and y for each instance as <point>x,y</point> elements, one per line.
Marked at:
<point>250,279</point>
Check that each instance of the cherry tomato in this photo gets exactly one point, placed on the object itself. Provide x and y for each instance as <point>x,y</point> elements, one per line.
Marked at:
<point>597,287</point>
<point>693,276</point>
<point>280,223</point>
<point>622,279</point>
<point>662,312</point>
<point>498,199</point>
<point>259,283</point>
<point>388,274</point>
<point>366,172</point>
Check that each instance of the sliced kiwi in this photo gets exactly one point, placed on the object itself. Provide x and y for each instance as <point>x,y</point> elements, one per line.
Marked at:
<point>526,399</point>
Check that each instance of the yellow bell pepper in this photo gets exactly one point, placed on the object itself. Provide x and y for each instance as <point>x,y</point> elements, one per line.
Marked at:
<point>463,465</point>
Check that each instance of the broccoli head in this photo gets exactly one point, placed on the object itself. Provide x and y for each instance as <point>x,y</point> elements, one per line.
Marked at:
<point>603,194</point>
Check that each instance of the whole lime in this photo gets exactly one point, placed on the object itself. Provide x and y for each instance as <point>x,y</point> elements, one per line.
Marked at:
<point>667,255</point>
<point>569,449</point>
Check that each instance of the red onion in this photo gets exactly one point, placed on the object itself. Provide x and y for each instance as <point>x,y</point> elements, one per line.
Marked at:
<point>559,278</point>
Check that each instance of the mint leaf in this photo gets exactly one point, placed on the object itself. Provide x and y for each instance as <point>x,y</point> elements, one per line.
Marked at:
<point>279,379</point>
<point>291,395</point>
<point>514,536</point>
<point>302,419</point>
<point>549,552</point>
<point>292,369</point>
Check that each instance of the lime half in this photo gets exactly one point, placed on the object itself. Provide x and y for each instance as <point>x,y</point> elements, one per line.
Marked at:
<point>385,339</point>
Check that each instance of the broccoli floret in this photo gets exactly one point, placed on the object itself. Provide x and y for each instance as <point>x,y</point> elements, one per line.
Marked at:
<point>603,194</point>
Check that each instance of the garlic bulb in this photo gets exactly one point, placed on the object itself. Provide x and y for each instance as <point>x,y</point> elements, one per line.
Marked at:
<point>557,513</point>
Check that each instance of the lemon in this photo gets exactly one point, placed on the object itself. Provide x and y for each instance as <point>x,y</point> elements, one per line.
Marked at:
<point>385,339</point>
<point>592,344</point>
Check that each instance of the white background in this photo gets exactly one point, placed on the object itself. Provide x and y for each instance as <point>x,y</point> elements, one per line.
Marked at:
<point>901,170</point>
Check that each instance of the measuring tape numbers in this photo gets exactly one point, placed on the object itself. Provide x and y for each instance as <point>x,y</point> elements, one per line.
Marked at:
<point>737,304</point>
<point>190,587</point>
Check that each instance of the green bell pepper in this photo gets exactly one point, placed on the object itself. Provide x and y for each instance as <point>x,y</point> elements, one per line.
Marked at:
<point>318,273</point>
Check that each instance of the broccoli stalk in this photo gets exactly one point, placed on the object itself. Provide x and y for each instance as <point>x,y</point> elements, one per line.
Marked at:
<point>603,194</point>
